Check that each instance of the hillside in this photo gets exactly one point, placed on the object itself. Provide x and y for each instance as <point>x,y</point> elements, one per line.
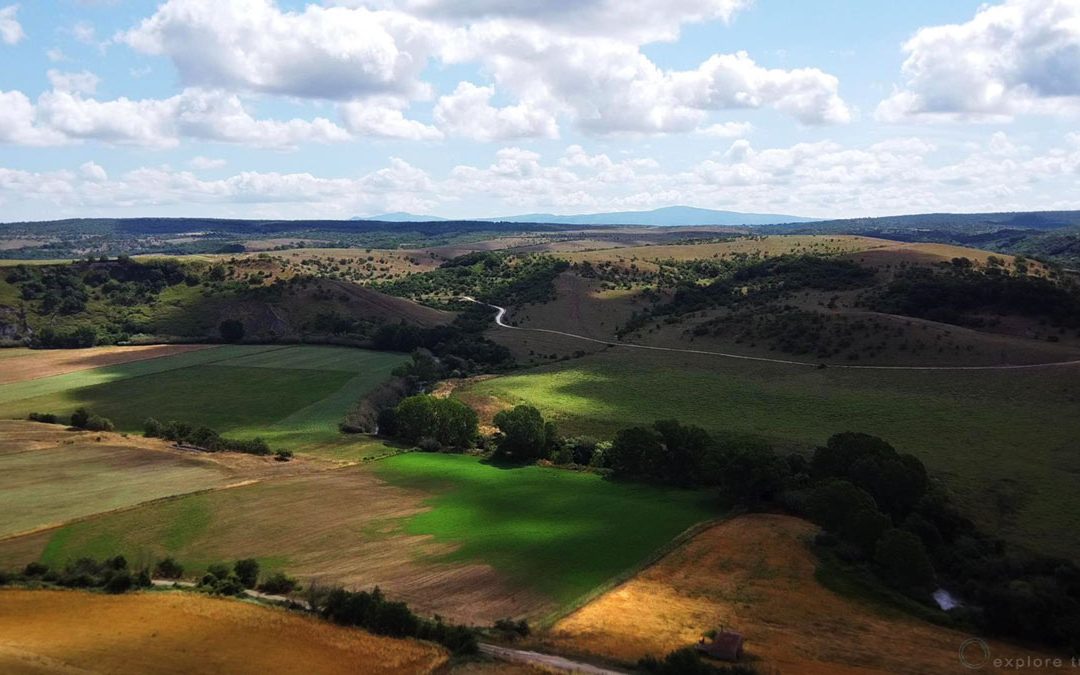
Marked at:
<point>48,633</point>
<point>108,301</point>
<point>756,575</point>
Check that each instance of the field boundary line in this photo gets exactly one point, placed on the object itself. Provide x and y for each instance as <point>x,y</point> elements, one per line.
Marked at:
<point>500,315</point>
<point>631,572</point>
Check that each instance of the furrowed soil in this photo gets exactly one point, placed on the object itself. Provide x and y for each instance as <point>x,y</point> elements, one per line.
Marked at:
<point>66,632</point>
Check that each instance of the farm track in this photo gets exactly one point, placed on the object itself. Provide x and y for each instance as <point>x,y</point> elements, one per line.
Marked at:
<point>501,314</point>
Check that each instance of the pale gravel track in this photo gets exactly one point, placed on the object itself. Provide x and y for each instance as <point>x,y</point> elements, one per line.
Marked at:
<point>501,314</point>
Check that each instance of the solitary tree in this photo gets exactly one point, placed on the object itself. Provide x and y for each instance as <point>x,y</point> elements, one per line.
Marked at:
<point>524,436</point>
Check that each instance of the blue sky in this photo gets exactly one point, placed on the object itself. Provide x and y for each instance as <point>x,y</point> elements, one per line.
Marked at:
<point>471,108</point>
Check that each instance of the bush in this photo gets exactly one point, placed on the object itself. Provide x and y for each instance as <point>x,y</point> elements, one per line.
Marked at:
<point>523,434</point>
<point>279,583</point>
<point>247,572</point>
<point>99,423</point>
<point>375,613</point>
<point>153,429</point>
<point>45,418</point>
<point>168,568</point>
<point>283,455</point>
<point>35,569</point>
<point>511,630</point>
<point>79,418</point>
<point>218,570</point>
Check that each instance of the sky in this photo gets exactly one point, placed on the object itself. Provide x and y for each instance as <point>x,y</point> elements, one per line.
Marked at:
<point>483,108</point>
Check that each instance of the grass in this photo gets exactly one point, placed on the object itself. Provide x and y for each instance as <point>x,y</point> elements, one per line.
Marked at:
<point>72,478</point>
<point>557,532</point>
<point>291,396</point>
<point>979,431</point>
<point>427,535</point>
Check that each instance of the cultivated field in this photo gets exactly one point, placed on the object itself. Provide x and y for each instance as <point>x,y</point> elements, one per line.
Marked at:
<point>50,475</point>
<point>555,532</point>
<point>448,533</point>
<point>755,574</point>
<point>1003,441</point>
<point>293,396</point>
<point>31,364</point>
<point>51,633</point>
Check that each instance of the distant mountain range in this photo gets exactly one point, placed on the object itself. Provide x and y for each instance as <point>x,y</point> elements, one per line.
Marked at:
<point>671,216</point>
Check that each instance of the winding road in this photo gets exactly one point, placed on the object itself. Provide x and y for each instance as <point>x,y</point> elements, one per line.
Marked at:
<point>500,320</point>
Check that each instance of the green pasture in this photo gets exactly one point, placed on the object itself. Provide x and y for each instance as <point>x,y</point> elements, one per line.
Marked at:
<point>561,533</point>
<point>293,396</point>
<point>1007,443</point>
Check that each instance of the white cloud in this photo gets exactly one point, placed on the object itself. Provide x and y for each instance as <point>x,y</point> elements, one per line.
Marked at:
<point>900,175</point>
<point>468,112</point>
<point>63,115</point>
<point>1022,56</point>
<point>578,59</point>
<point>11,31</point>
<point>205,163</point>
<point>92,171</point>
<point>252,45</point>
<point>84,32</point>
<point>726,130</point>
<point>609,86</point>
<point>83,82</point>
<point>383,117</point>
<point>55,55</point>
<point>640,21</point>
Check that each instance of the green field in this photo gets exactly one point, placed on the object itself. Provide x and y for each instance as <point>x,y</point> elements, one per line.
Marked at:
<point>551,533</point>
<point>983,432</point>
<point>292,396</point>
<point>557,532</point>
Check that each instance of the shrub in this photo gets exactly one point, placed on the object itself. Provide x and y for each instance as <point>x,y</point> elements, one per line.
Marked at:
<point>46,418</point>
<point>153,429</point>
<point>168,568</point>
<point>79,418</point>
<point>279,583</point>
<point>247,572</point>
<point>218,570</point>
<point>35,569</point>
<point>686,661</point>
<point>98,423</point>
<point>283,455</point>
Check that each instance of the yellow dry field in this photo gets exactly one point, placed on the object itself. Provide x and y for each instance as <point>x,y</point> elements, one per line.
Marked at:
<point>30,364</point>
<point>165,633</point>
<point>755,574</point>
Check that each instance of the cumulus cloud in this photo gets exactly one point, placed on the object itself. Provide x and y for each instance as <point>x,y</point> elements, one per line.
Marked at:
<point>385,118</point>
<point>581,59</point>
<point>322,52</point>
<point>11,31</point>
<point>63,115</point>
<point>468,112</point>
<point>899,175</point>
<point>608,86</point>
<point>1022,56</point>
<point>640,21</point>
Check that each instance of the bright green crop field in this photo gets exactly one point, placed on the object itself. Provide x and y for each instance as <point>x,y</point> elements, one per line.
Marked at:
<point>558,532</point>
<point>293,396</point>
<point>996,438</point>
